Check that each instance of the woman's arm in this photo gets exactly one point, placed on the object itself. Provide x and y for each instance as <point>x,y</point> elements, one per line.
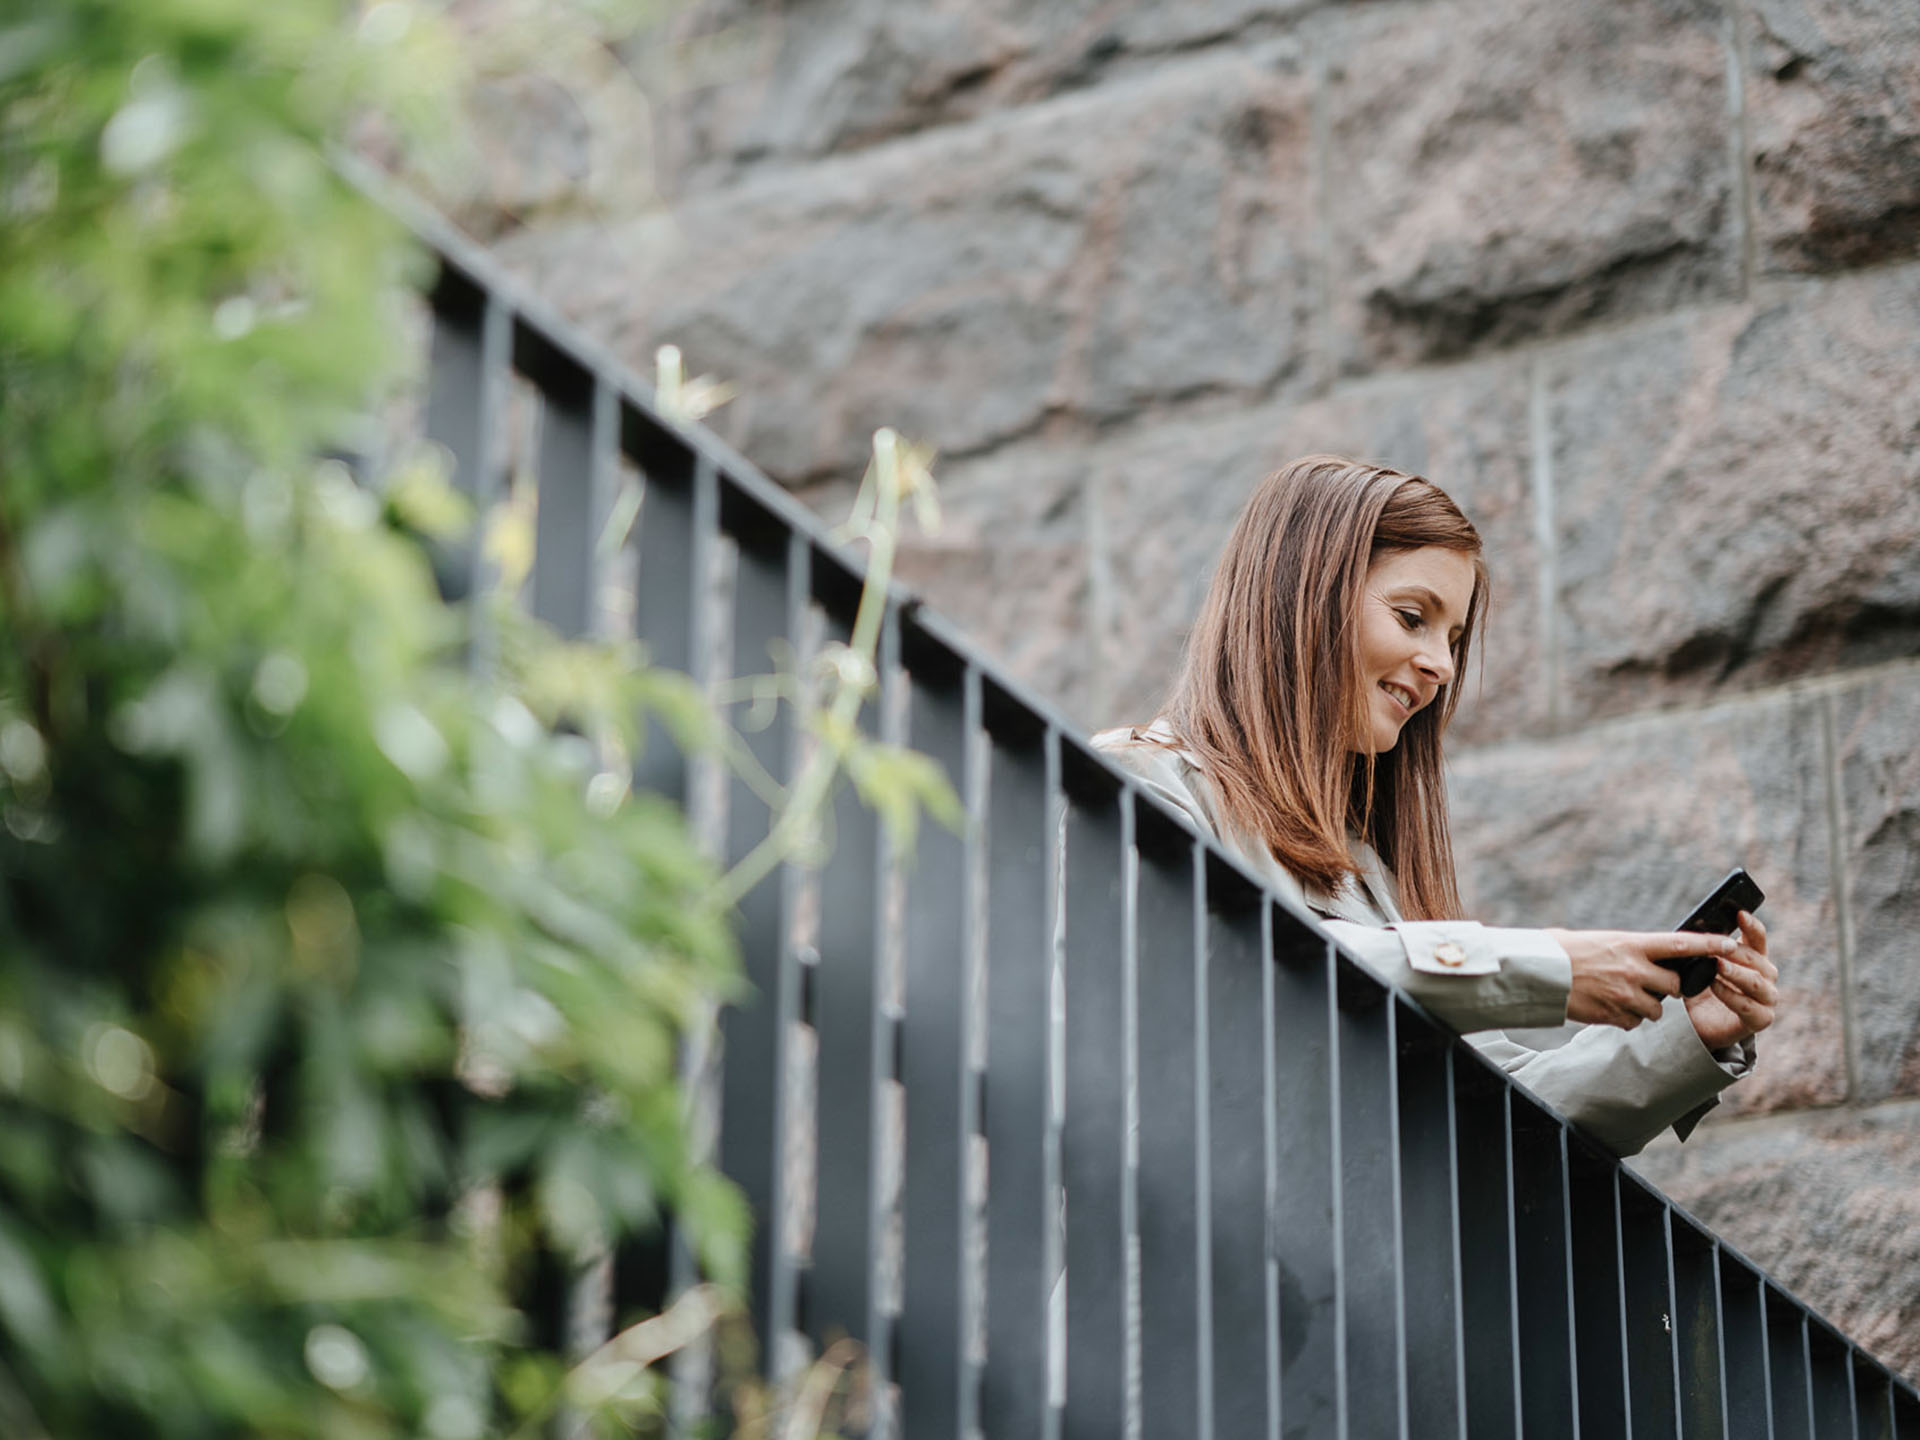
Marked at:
<point>1623,1087</point>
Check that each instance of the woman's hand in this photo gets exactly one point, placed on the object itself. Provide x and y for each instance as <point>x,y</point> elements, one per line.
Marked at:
<point>1741,1000</point>
<point>1615,979</point>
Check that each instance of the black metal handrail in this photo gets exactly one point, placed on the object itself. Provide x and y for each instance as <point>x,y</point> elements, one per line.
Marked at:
<point>1295,1204</point>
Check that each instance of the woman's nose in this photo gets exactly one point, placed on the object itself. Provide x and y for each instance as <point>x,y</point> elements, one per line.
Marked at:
<point>1437,664</point>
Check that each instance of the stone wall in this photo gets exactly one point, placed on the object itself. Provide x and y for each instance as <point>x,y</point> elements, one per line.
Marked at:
<point>1639,282</point>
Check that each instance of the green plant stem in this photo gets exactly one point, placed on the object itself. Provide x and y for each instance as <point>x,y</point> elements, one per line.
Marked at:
<point>815,780</point>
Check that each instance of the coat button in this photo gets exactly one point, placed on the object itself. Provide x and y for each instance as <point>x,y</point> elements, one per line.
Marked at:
<point>1450,953</point>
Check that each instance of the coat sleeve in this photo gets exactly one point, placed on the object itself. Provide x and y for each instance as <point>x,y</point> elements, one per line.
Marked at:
<point>1471,976</point>
<point>1623,1087</point>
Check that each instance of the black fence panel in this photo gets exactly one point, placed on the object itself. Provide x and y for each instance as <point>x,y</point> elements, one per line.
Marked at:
<point>1599,1319</point>
<point>1698,1333</point>
<point>1789,1382</point>
<point>769,601</point>
<point>1434,1379</point>
<point>943,711</point>
<point>1368,1220</point>
<point>1829,1374</point>
<point>1648,1307</point>
<point>1744,1350</point>
<point>1549,1383</point>
<point>1169,1162</point>
<point>1171,1176</point>
<point>1243,1322</point>
<point>854,1042</point>
<point>1489,1326</point>
<point>1097,972</point>
<point>1306,1206</point>
<point>1872,1399</point>
<point>1025,815</point>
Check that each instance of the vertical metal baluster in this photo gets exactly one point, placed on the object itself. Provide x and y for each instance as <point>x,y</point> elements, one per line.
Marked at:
<point>1489,1336</point>
<point>770,599</point>
<point>1022,1185</point>
<point>1270,1093</point>
<point>1094,1145</point>
<point>1749,1404</point>
<point>1784,1329</point>
<point>1430,1307</point>
<point>855,1056</point>
<point>469,367</point>
<point>1549,1392</point>
<point>1649,1313</point>
<point>679,524</point>
<point>1369,1221</point>
<point>1829,1384</point>
<point>935,1399</point>
<point>1906,1409</point>
<point>1303,1231</point>
<point>1676,1336</point>
<point>1238,1158</point>
<point>1697,1333</point>
<point>1873,1399</point>
<point>1599,1345</point>
<point>575,468</point>
<point>1172,1271</point>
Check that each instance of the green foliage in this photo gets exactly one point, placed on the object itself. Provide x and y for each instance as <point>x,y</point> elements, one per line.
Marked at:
<point>336,988</point>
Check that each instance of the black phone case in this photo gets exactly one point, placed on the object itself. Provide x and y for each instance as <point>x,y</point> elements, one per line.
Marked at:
<point>1718,914</point>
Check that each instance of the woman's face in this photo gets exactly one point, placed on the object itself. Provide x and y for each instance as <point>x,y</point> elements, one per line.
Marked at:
<point>1412,609</point>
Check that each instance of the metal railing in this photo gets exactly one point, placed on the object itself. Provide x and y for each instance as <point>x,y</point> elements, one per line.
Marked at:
<point>1294,1204</point>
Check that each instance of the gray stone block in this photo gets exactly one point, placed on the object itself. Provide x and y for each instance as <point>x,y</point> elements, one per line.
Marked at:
<point>1738,495</point>
<point>786,83</point>
<point>1833,100</point>
<point>1877,742</point>
<point>1827,1203</point>
<point>1627,826</point>
<point>1498,170</point>
<point>1080,260</point>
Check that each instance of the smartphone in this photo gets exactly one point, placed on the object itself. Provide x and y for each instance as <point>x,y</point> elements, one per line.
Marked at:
<point>1718,914</point>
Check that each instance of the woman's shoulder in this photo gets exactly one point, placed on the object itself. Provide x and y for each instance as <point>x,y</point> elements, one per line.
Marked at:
<point>1154,755</point>
<point>1145,748</point>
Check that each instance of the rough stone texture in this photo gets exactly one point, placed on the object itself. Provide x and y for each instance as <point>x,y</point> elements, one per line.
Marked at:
<point>1834,107</point>
<point>1877,744</point>
<point>1082,259</point>
<point>1627,827</point>
<point>1738,495</point>
<point>1827,1203</point>
<point>799,80</point>
<point>1498,169</point>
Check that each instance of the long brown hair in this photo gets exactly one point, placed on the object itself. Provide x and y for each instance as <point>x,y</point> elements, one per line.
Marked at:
<point>1270,700</point>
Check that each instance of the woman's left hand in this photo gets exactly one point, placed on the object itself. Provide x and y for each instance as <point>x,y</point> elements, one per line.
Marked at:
<point>1741,1000</point>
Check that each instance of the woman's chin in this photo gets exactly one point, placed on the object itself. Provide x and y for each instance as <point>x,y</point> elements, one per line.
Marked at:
<point>1382,740</point>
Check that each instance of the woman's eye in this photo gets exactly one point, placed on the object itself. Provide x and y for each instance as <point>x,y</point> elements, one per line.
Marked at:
<point>1412,619</point>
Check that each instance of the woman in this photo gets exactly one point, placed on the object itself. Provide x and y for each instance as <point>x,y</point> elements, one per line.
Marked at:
<point>1304,734</point>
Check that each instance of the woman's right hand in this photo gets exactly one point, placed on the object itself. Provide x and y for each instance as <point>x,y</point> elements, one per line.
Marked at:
<point>1615,979</point>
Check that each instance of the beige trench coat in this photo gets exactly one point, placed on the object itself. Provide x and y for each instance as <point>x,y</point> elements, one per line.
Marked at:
<point>1623,1087</point>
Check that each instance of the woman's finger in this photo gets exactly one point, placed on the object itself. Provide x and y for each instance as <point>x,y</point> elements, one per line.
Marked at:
<point>1753,932</point>
<point>1754,1015</point>
<point>1657,980</point>
<point>1757,960</point>
<point>1750,980</point>
<point>1643,1003</point>
<point>1673,944</point>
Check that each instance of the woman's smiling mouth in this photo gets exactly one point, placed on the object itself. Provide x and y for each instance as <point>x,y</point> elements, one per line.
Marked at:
<point>1402,696</point>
